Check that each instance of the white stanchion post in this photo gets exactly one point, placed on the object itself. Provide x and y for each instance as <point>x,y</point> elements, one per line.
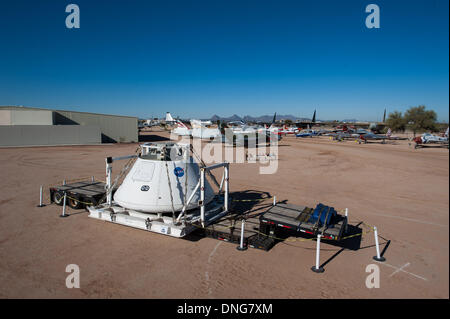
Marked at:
<point>226,176</point>
<point>378,257</point>
<point>317,267</point>
<point>241,246</point>
<point>202,196</point>
<point>274,200</point>
<point>40,197</point>
<point>108,180</point>
<point>64,206</point>
<point>64,182</point>
<point>92,179</point>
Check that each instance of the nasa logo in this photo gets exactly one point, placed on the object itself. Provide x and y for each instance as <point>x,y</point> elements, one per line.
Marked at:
<point>178,171</point>
<point>145,188</point>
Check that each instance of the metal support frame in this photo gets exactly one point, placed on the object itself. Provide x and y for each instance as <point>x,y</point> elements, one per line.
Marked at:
<point>183,210</point>
<point>109,161</point>
<point>157,222</point>
<point>108,180</point>
<point>226,175</point>
<point>201,184</point>
<point>202,196</point>
<point>203,170</point>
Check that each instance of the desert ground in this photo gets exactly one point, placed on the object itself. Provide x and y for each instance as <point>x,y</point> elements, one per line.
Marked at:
<point>402,191</point>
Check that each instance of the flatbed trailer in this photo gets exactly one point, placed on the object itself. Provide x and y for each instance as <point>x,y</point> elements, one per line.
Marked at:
<point>79,194</point>
<point>275,224</point>
<point>229,229</point>
<point>298,219</point>
<point>262,231</point>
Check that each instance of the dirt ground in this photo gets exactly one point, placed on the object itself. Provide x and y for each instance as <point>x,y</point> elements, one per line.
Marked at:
<point>402,191</point>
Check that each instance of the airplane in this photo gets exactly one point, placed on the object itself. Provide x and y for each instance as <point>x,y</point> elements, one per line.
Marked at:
<point>378,127</point>
<point>345,132</point>
<point>372,137</point>
<point>307,133</point>
<point>307,124</point>
<point>289,130</point>
<point>201,129</point>
<point>427,138</point>
<point>147,123</point>
<point>281,131</point>
<point>169,119</point>
<point>181,129</point>
<point>242,134</point>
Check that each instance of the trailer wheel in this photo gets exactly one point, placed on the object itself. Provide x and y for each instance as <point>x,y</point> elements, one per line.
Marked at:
<point>75,203</point>
<point>58,198</point>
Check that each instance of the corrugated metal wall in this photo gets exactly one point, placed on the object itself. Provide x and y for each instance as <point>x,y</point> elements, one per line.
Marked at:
<point>114,128</point>
<point>32,135</point>
<point>26,117</point>
<point>119,129</point>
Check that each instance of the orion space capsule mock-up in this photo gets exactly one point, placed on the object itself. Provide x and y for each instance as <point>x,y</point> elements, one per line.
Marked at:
<point>163,176</point>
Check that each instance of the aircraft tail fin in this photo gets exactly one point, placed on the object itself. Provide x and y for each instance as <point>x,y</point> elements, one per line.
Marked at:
<point>273,120</point>
<point>169,117</point>
<point>181,124</point>
<point>313,120</point>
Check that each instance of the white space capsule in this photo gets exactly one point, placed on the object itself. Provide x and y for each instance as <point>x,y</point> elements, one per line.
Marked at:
<point>158,179</point>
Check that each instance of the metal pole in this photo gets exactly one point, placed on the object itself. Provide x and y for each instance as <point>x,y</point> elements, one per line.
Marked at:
<point>202,196</point>
<point>92,179</point>
<point>108,181</point>
<point>241,246</point>
<point>40,197</point>
<point>186,180</point>
<point>64,182</point>
<point>64,206</point>
<point>222,181</point>
<point>226,178</point>
<point>378,257</point>
<point>188,201</point>
<point>274,201</point>
<point>317,267</point>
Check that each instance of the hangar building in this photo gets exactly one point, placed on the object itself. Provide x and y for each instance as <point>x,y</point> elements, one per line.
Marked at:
<point>26,126</point>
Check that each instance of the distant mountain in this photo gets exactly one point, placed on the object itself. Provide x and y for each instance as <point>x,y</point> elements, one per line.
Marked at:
<point>261,119</point>
<point>232,118</point>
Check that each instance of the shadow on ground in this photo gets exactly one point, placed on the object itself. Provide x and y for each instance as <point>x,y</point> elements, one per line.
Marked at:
<point>152,138</point>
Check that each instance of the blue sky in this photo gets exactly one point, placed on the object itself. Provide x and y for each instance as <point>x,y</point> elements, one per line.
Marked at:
<point>199,58</point>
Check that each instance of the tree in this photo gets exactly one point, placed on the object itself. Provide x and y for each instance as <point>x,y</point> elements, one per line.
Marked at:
<point>419,119</point>
<point>396,122</point>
